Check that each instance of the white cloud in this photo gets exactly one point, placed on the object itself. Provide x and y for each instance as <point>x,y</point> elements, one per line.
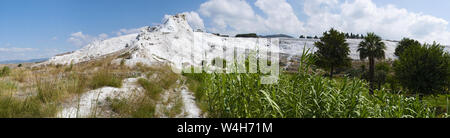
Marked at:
<point>238,16</point>
<point>232,16</point>
<point>194,20</point>
<point>361,16</point>
<point>15,49</point>
<point>80,39</point>
<point>127,31</point>
<point>357,16</point>
<point>280,16</point>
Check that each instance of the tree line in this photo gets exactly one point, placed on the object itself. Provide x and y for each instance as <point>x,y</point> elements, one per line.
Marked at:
<point>346,35</point>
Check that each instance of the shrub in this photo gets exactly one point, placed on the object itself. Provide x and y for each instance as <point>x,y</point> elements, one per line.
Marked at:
<point>5,71</point>
<point>424,69</point>
<point>405,43</point>
<point>382,71</point>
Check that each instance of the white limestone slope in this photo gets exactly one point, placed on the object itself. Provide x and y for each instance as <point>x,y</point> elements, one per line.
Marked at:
<point>94,50</point>
<point>175,42</point>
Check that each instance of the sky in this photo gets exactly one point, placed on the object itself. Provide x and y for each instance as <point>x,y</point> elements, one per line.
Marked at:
<point>31,29</point>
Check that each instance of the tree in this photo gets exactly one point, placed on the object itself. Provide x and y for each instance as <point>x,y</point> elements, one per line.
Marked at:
<point>372,48</point>
<point>332,51</point>
<point>301,36</point>
<point>424,69</point>
<point>405,43</point>
<point>382,70</point>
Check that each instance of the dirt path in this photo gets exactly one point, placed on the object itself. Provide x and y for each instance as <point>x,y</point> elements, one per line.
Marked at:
<point>87,105</point>
<point>90,103</point>
<point>190,107</point>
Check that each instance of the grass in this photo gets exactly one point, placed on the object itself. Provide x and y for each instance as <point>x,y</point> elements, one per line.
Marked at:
<point>39,91</point>
<point>28,108</point>
<point>441,101</point>
<point>105,78</point>
<point>303,94</point>
<point>7,86</point>
<point>158,80</point>
<point>152,89</point>
<point>5,71</point>
<point>239,95</point>
<point>138,108</point>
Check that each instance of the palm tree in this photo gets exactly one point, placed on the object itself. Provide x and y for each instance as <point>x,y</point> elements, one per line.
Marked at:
<point>373,48</point>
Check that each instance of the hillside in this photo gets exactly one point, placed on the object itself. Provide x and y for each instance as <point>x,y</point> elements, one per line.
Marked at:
<point>175,42</point>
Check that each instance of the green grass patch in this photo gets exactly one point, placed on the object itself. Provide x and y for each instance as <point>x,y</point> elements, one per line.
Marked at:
<point>152,89</point>
<point>105,78</point>
<point>28,108</point>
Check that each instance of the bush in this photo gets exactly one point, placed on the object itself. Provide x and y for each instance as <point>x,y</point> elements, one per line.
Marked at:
<point>382,71</point>
<point>5,71</point>
<point>405,43</point>
<point>424,69</point>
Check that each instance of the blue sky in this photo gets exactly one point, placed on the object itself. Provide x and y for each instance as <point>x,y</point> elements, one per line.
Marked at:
<point>32,29</point>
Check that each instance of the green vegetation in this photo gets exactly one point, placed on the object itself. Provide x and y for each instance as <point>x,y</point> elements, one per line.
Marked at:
<point>382,70</point>
<point>158,80</point>
<point>372,48</point>
<point>301,95</point>
<point>143,107</point>
<point>152,89</point>
<point>424,69</point>
<point>405,43</point>
<point>105,78</point>
<point>28,108</point>
<point>332,51</point>
<point>5,71</point>
<point>250,35</point>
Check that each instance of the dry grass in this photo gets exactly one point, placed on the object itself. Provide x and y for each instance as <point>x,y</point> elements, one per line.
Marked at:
<point>158,80</point>
<point>50,85</point>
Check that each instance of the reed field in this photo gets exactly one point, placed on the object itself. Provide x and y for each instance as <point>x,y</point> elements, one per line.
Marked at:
<point>304,94</point>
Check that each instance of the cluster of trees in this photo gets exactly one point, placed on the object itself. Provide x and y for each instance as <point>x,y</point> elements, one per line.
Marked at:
<point>309,37</point>
<point>420,68</point>
<point>347,36</point>
<point>354,36</point>
<point>250,35</point>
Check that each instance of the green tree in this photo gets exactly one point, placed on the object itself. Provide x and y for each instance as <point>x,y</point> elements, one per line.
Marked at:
<point>405,43</point>
<point>372,48</point>
<point>424,69</point>
<point>332,51</point>
<point>382,70</point>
